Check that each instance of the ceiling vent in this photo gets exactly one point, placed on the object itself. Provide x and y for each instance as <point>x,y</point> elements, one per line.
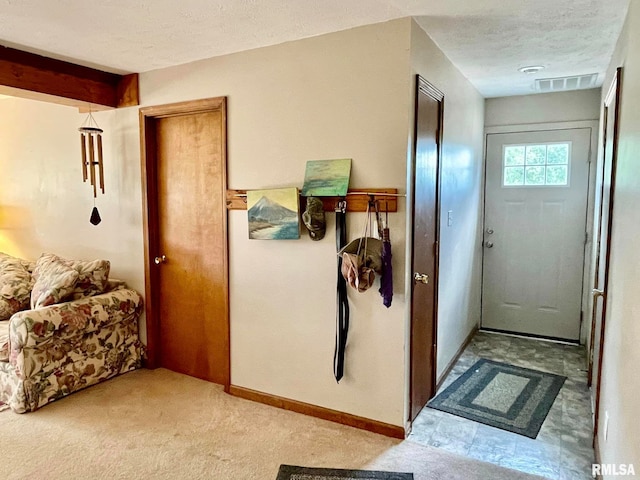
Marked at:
<point>561,84</point>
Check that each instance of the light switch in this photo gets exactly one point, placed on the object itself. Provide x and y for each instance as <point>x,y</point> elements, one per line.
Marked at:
<point>449,218</point>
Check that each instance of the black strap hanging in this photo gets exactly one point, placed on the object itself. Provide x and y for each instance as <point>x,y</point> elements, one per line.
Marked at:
<point>342,313</point>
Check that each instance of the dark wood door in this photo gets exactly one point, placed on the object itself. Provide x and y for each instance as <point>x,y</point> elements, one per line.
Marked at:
<point>606,181</point>
<point>188,250</point>
<point>428,131</point>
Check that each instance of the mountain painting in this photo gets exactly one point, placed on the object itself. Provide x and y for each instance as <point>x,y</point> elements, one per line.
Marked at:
<point>274,214</point>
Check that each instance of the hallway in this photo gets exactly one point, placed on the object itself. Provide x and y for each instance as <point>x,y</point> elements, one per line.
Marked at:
<point>562,449</point>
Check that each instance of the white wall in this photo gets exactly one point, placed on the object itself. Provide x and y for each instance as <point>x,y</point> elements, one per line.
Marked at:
<point>46,203</point>
<point>341,95</point>
<point>543,108</point>
<point>461,180</point>
<point>621,383</point>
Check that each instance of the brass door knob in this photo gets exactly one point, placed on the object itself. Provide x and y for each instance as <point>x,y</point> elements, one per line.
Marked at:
<point>159,260</point>
<point>420,278</point>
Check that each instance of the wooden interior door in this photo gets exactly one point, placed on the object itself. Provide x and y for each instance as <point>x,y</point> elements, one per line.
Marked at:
<point>425,187</point>
<point>184,169</point>
<point>606,182</point>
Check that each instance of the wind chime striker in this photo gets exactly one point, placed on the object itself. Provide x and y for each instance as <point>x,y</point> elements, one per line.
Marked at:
<point>91,146</point>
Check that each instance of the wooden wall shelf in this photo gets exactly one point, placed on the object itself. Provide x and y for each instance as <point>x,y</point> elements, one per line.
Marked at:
<point>357,200</point>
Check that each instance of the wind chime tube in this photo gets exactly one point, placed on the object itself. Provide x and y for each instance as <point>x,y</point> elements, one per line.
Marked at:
<point>93,135</point>
<point>83,147</point>
<point>92,165</point>
<point>100,169</point>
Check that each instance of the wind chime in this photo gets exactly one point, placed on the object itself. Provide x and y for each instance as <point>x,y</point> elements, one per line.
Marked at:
<point>91,145</point>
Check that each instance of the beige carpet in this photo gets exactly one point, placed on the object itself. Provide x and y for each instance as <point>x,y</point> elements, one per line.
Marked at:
<point>158,424</point>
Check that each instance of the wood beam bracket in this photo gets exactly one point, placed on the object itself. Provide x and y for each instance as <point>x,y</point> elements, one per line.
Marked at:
<point>72,84</point>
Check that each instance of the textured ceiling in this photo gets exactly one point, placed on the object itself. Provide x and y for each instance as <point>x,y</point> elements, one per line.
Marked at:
<point>567,37</point>
<point>486,39</point>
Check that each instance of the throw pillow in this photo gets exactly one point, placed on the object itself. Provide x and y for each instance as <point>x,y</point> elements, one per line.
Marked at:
<point>28,264</point>
<point>92,277</point>
<point>55,280</point>
<point>15,286</point>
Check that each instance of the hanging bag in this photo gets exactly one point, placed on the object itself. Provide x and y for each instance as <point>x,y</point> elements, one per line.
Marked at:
<point>362,258</point>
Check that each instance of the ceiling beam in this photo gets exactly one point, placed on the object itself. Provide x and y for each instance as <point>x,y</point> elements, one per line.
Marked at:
<point>72,84</point>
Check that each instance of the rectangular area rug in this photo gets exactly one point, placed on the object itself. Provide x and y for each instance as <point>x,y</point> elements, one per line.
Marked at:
<point>292,472</point>
<point>503,396</point>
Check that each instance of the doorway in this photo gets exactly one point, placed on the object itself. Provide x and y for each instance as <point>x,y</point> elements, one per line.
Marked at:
<point>536,192</point>
<point>424,255</point>
<point>604,221</point>
<point>186,265</point>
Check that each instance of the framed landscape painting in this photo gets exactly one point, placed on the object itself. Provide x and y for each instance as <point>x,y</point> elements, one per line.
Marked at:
<point>327,178</point>
<point>274,214</point>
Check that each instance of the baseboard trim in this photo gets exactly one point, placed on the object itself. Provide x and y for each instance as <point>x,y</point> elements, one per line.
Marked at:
<point>455,358</point>
<point>343,418</point>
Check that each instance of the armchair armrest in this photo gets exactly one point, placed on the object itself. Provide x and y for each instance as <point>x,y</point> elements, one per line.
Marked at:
<point>66,320</point>
<point>59,349</point>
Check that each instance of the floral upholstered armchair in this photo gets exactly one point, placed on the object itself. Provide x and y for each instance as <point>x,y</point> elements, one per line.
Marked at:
<point>63,327</point>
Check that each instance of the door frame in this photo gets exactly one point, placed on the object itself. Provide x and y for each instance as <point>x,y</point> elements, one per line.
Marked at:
<point>148,159</point>
<point>425,87</point>
<point>594,125</point>
<point>614,91</point>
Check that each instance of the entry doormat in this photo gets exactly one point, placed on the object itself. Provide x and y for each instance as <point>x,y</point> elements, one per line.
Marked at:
<point>503,396</point>
<point>291,472</point>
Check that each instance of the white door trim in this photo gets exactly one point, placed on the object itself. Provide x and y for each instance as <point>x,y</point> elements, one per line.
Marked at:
<point>593,153</point>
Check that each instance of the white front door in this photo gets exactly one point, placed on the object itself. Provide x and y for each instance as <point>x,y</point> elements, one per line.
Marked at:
<point>535,222</point>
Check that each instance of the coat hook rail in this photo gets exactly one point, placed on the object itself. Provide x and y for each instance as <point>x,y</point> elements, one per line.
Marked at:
<point>357,199</point>
<point>377,194</point>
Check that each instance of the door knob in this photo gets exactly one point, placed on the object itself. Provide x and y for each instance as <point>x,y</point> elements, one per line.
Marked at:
<point>420,278</point>
<point>489,231</point>
<point>159,260</point>
<point>488,244</point>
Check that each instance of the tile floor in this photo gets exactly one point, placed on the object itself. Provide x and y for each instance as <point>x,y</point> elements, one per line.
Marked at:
<point>562,449</point>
